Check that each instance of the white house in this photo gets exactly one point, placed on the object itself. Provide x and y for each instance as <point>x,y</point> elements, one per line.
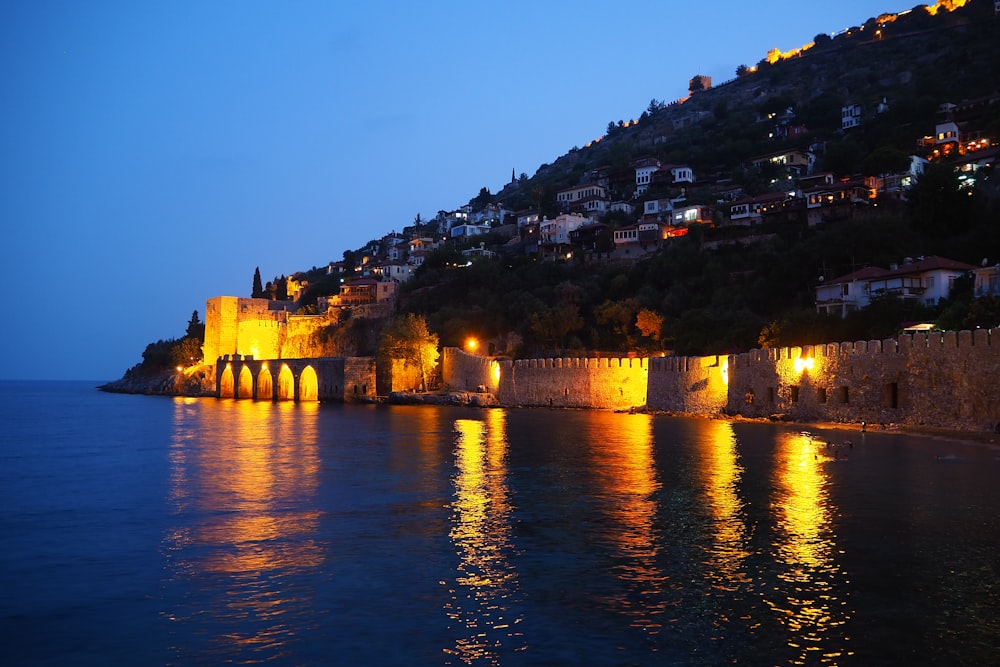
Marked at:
<point>467,230</point>
<point>556,231</point>
<point>644,169</point>
<point>850,116</point>
<point>580,193</point>
<point>928,279</point>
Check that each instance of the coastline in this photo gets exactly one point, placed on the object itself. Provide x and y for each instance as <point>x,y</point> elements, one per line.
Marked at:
<point>194,385</point>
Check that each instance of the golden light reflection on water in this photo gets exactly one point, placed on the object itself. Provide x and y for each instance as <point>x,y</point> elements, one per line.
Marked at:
<point>485,585</point>
<point>250,466</point>
<point>626,473</point>
<point>720,476</point>
<point>807,601</point>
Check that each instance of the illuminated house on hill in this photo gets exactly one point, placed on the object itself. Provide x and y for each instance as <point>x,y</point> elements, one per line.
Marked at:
<point>926,279</point>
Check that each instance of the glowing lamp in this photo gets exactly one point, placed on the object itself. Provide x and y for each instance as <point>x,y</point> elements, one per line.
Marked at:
<point>802,364</point>
<point>180,368</point>
<point>724,370</point>
<point>471,344</point>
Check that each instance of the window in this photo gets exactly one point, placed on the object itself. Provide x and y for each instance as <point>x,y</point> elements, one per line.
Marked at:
<point>794,394</point>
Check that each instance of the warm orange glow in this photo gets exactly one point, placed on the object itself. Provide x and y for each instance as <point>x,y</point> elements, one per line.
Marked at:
<point>485,581</point>
<point>724,369</point>
<point>947,5</point>
<point>720,474</point>
<point>496,373</point>
<point>250,477</point>
<point>180,368</point>
<point>774,55</point>
<point>805,602</point>
<point>804,364</point>
<point>626,474</point>
<point>471,344</point>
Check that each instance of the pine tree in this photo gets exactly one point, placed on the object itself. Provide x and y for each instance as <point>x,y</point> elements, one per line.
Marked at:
<point>195,328</point>
<point>258,289</point>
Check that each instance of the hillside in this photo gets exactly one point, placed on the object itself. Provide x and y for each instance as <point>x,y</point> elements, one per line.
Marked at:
<point>719,284</point>
<point>711,296</point>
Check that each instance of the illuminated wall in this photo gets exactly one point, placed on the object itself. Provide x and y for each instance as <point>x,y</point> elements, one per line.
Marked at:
<point>574,383</point>
<point>467,372</point>
<point>339,379</point>
<point>695,385</point>
<point>264,329</point>
<point>940,379</point>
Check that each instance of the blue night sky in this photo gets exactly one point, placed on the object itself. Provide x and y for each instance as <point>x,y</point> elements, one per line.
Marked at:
<point>154,153</point>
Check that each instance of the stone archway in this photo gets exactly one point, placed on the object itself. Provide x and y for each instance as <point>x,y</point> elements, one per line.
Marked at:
<point>308,385</point>
<point>227,385</point>
<point>265,385</point>
<point>244,388</point>
<point>286,384</point>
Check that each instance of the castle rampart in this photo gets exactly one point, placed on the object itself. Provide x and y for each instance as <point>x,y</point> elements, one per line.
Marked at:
<point>573,382</point>
<point>937,379</point>
<point>688,384</point>
<point>945,380</point>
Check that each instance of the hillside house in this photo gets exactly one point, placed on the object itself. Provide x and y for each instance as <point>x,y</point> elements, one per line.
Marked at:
<point>927,280</point>
<point>526,218</point>
<point>850,116</point>
<point>690,215</point>
<point>644,169</point>
<point>657,210</point>
<point>363,292</point>
<point>586,236</point>
<point>834,201</point>
<point>556,231</point>
<point>770,207</point>
<point>795,161</point>
<point>987,280</point>
<point>395,271</point>
<point>467,230</point>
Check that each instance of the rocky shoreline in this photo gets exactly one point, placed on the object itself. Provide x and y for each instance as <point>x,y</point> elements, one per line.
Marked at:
<point>198,381</point>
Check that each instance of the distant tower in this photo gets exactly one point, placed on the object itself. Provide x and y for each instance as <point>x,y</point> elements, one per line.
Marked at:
<point>698,83</point>
<point>512,178</point>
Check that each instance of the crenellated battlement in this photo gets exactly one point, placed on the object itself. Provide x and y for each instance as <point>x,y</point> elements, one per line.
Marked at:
<point>939,379</point>
<point>582,362</point>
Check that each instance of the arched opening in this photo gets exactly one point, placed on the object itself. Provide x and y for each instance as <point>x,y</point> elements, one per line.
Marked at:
<point>227,386</point>
<point>265,386</point>
<point>245,387</point>
<point>308,385</point>
<point>286,384</point>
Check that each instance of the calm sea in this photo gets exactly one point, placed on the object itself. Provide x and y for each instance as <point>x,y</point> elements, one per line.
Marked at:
<point>157,531</point>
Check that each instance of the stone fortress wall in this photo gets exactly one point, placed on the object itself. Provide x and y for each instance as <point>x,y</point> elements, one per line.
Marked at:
<point>946,380</point>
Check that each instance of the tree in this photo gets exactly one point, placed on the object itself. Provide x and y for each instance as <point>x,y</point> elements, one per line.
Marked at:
<point>649,323</point>
<point>885,160</point>
<point>195,328</point>
<point>742,70</point>
<point>258,289</point>
<point>482,199</point>
<point>281,289</point>
<point>408,339</point>
<point>696,83</point>
<point>938,205</point>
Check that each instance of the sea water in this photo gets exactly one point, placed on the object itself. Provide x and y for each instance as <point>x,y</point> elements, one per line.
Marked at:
<point>168,531</point>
